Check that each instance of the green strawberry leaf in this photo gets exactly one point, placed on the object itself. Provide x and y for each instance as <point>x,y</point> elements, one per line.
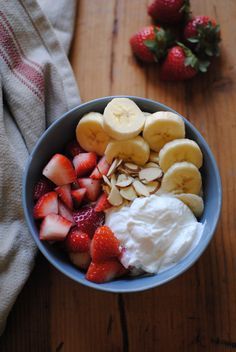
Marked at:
<point>203,66</point>
<point>193,40</point>
<point>208,38</point>
<point>150,44</point>
<point>162,42</point>
<point>209,52</point>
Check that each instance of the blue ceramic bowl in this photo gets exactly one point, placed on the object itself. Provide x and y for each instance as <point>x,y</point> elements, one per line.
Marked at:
<point>55,139</point>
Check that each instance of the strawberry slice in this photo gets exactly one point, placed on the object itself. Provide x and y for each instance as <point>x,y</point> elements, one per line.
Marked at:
<point>102,203</point>
<point>65,195</point>
<point>59,170</point>
<point>88,220</point>
<point>47,204</point>
<point>104,245</point>
<point>65,212</point>
<point>84,163</point>
<point>101,169</point>
<point>103,272</point>
<point>54,227</point>
<point>77,241</point>
<point>78,195</point>
<point>73,148</point>
<point>93,188</point>
<point>81,260</point>
<point>42,187</point>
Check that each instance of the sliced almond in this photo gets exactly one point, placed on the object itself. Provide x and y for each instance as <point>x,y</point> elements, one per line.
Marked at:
<point>119,162</point>
<point>114,197</point>
<point>113,180</point>
<point>140,188</point>
<point>150,174</point>
<point>124,179</point>
<point>154,157</point>
<point>132,167</point>
<point>152,186</point>
<point>128,193</point>
<point>113,167</point>
<point>106,180</point>
<point>106,189</point>
<point>125,183</point>
<point>151,164</point>
<point>122,170</point>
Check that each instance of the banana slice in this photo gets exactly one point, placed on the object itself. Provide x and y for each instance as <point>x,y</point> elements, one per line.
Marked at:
<point>90,133</point>
<point>182,177</point>
<point>135,150</point>
<point>194,202</point>
<point>123,119</point>
<point>161,128</point>
<point>180,150</point>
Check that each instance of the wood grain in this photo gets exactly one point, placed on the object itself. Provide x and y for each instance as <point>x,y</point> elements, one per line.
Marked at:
<point>195,312</point>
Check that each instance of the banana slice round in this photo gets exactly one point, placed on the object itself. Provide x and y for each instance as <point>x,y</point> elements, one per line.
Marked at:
<point>161,128</point>
<point>182,177</point>
<point>134,150</point>
<point>90,133</point>
<point>123,119</point>
<point>180,150</point>
<point>194,202</point>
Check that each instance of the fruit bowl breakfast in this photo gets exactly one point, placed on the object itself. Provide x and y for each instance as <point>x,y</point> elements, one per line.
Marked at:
<point>126,197</point>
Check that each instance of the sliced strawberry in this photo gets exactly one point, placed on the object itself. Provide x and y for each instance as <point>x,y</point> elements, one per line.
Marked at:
<point>65,212</point>
<point>42,187</point>
<point>81,260</point>
<point>104,245</point>
<point>47,204</point>
<point>59,170</point>
<point>73,148</point>
<point>88,220</point>
<point>103,272</point>
<point>77,241</point>
<point>78,195</point>
<point>102,203</point>
<point>65,195</point>
<point>54,227</point>
<point>93,188</point>
<point>101,169</point>
<point>84,163</point>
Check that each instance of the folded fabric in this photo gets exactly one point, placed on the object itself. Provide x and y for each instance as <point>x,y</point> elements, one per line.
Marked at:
<point>37,86</point>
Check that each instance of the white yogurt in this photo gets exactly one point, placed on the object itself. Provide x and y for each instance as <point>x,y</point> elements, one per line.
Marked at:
<point>156,231</point>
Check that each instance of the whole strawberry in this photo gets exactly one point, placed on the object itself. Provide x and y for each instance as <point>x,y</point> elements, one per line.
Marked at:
<point>204,35</point>
<point>168,11</point>
<point>151,43</point>
<point>181,64</point>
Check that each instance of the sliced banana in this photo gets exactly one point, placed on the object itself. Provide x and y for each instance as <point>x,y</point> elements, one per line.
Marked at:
<point>180,150</point>
<point>182,177</point>
<point>90,133</point>
<point>145,113</point>
<point>161,128</point>
<point>123,119</point>
<point>194,202</point>
<point>154,157</point>
<point>134,150</point>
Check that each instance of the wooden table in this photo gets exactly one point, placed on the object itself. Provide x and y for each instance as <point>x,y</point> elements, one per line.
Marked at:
<point>195,312</point>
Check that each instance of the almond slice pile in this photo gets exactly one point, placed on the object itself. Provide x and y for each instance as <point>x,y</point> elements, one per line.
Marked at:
<point>126,181</point>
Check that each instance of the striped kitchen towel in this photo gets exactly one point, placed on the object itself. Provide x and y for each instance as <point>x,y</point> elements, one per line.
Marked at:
<point>37,86</point>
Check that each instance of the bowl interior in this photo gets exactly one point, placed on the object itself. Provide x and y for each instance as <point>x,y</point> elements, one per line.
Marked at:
<point>55,139</point>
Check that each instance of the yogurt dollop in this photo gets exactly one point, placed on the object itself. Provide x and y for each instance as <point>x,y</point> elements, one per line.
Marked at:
<point>156,231</point>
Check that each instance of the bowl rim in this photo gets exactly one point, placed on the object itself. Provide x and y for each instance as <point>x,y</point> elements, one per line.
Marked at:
<point>101,287</point>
